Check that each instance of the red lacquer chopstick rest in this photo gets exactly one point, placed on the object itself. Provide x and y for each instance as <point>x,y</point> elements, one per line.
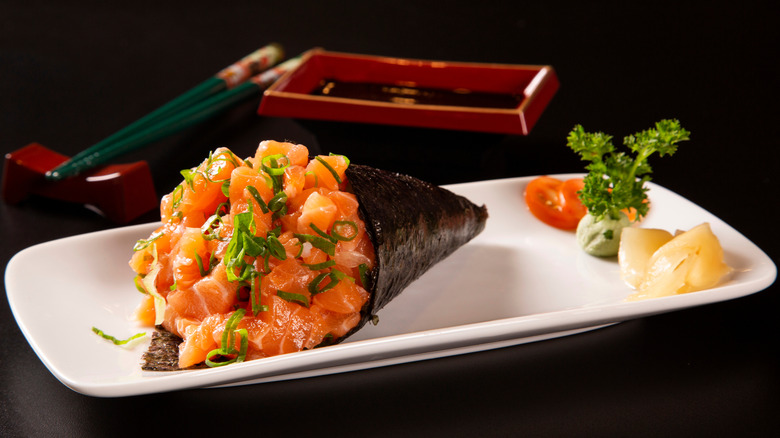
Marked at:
<point>121,192</point>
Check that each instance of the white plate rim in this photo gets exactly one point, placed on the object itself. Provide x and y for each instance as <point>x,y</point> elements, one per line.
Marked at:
<point>387,350</point>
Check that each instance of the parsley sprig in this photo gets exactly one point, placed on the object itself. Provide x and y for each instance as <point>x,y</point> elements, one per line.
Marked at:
<point>616,180</point>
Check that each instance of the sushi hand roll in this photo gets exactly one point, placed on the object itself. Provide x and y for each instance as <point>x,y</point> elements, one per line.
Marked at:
<point>281,252</point>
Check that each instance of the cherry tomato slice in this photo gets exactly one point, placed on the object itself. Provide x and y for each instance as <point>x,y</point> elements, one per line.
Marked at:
<point>555,202</point>
<point>572,204</point>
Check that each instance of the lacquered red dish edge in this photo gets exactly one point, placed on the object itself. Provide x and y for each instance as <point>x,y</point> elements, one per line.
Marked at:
<point>291,96</point>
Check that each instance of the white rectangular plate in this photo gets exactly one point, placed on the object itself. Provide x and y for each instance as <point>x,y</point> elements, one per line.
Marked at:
<point>519,281</point>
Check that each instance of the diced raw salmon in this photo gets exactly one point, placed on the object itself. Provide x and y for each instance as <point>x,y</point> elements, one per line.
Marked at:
<point>200,298</point>
<point>188,250</point>
<point>319,175</point>
<point>318,210</point>
<point>345,297</point>
<point>144,313</point>
<point>298,154</point>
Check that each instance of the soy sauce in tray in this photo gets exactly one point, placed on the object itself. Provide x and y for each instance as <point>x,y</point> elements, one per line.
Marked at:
<point>412,95</point>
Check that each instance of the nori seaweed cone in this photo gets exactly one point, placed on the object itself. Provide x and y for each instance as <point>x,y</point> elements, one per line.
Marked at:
<point>412,224</point>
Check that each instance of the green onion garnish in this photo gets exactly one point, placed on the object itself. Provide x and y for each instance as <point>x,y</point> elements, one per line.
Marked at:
<point>204,271</point>
<point>318,242</point>
<point>271,166</point>
<point>189,177</point>
<point>320,266</point>
<point>275,247</point>
<point>334,276</point>
<point>293,297</point>
<point>199,261</point>
<point>314,286</point>
<point>228,342</point>
<point>339,225</point>
<point>363,271</point>
<point>322,233</point>
<point>143,244</point>
<point>139,284</point>
<point>176,196</point>
<point>226,156</point>
<point>330,169</point>
<point>254,296</point>
<point>115,340</point>
<point>316,178</point>
<point>278,204</point>
<point>210,229</point>
<point>346,160</point>
<point>255,194</point>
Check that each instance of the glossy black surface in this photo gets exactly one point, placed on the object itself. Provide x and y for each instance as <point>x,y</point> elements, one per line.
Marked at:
<point>74,72</point>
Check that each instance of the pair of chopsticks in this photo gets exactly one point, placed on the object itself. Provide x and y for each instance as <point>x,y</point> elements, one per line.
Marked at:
<point>245,78</point>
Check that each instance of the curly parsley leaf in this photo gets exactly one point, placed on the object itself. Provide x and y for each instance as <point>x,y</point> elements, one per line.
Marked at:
<point>616,180</point>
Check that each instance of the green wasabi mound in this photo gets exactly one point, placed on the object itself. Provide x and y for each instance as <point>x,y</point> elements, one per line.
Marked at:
<point>601,238</point>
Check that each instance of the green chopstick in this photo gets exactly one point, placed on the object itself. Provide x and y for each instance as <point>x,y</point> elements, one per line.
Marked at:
<point>199,112</point>
<point>227,78</point>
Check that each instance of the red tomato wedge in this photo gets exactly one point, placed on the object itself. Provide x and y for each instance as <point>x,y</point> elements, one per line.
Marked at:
<point>555,202</point>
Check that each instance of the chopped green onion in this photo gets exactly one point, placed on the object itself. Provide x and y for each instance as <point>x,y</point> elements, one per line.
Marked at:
<point>115,340</point>
<point>228,342</point>
<point>314,286</point>
<point>322,233</point>
<point>275,247</point>
<point>199,261</point>
<point>143,244</point>
<point>230,157</point>
<point>139,284</point>
<point>253,245</point>
<point>176,196</point>
<point>150,280</point>
<point>254,296</point>
<point>316,178</point>
<point>255,194</point>
<point>278,204</point>
<point>320,266</point>
<point>293,297</point>
<point>225,207</point>
<point>189,177</point>
<point>330,169</point>
<point>266,265</point>
<point>334,276</point>
<point>363,271</point>
<point>213,261</point>
<point>346,160</point>
<point>338,275</point>
<point>244,345</point>
<point>226,188</point>
<point>210,229</point>
<point>338,225</point>
<point>270,164</point>
<point>318,242</point>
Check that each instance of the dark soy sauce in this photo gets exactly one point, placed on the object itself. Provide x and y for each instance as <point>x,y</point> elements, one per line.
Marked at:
<point>406,95</point>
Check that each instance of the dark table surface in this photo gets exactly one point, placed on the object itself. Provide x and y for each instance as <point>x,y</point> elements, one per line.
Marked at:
<point>70,75</point>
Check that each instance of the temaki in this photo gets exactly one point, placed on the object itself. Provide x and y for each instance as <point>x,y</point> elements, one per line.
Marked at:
<point>279,253</point>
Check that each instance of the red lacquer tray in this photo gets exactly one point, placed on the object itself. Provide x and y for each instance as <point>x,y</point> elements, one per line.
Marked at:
<point>293,94</point>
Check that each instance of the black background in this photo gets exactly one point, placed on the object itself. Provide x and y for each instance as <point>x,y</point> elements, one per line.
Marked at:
<point>74,72</point>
